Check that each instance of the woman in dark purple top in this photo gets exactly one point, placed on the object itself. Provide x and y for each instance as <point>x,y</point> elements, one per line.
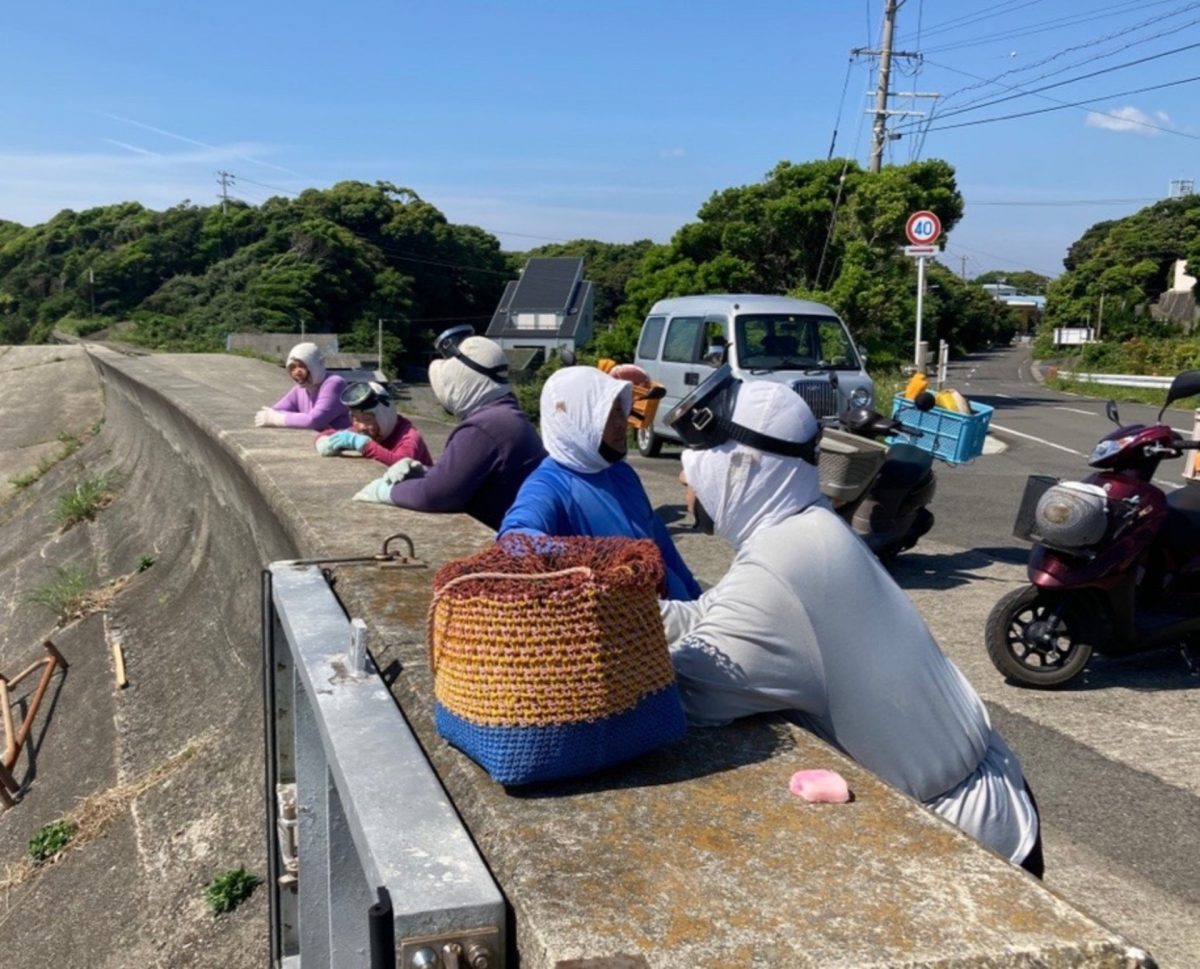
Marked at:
<point>487,456</point>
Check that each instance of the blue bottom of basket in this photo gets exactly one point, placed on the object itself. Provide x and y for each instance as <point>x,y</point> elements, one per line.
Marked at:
<point>524,755</point>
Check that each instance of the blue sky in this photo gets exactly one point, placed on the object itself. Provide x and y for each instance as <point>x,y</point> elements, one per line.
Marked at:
<point>544,121</point>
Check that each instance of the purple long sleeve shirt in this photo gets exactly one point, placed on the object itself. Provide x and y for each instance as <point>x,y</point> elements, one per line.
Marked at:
<point>479,472</point>
<point>316,409</point>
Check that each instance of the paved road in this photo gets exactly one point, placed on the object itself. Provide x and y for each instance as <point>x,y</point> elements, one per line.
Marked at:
<point>1115,760</point>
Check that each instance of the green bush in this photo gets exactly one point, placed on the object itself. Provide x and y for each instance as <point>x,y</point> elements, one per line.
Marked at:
<point>65,593</point>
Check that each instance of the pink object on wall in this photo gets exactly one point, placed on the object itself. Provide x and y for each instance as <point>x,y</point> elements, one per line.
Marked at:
<point>820,786</point>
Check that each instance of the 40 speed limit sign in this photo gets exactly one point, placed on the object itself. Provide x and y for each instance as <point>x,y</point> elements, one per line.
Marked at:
<point>923,228</point>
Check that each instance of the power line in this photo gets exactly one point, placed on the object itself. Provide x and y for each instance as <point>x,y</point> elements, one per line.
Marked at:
<point>1100,13</point>
<point>1132,28</point>
<point>1060,105</point>
<point>1027,92</point>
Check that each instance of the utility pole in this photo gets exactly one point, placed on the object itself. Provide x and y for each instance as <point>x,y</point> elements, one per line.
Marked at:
<point>224,179</point>
<point>964,268</point>
<point>1100,315</point>
<point>879,132</point>
<point>92,287</point>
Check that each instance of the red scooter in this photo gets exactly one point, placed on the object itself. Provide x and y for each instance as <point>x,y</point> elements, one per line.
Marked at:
<point>1115,566</point>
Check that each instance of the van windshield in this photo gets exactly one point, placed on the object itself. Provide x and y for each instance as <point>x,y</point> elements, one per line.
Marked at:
<point>792,341</point>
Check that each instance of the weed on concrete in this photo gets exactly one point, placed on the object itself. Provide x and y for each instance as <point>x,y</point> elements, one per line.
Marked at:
<point>65,594</point>
<point>145,562</point>
<point>50,840</point>
<point>70,444</point>
<point>229,889</point>
<point>91,494</point>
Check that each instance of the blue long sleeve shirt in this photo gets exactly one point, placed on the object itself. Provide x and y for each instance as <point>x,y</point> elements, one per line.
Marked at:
<point>555,500</point>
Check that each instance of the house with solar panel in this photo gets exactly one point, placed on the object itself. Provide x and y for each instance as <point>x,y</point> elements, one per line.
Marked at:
<point>549,307</point>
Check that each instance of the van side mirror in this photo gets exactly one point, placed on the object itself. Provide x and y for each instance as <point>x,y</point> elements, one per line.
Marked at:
<point>716,353</point>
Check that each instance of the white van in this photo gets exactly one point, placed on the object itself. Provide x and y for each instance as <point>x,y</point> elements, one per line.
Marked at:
<point>791,341</point>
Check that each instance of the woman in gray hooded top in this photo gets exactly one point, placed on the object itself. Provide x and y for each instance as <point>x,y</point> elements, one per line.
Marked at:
<point>487,456</point>
<point>807,622</point>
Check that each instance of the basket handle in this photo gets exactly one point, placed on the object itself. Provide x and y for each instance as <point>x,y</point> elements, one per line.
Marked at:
<point>458,580</point>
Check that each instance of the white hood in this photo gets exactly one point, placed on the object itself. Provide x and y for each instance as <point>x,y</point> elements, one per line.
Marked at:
<point>575,405</point>
<point>309,354</point>
<point>384,411</point>
<point>744,489</point>
<point>462,390</point>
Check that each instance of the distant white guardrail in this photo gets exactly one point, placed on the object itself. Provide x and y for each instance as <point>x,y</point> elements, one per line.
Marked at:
<point>1117,379</point>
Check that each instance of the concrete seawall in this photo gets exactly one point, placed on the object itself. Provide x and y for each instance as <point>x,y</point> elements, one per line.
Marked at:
<point>694,856</point>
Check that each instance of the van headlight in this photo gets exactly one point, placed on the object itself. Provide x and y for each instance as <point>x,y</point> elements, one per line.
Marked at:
<point>860,397</point>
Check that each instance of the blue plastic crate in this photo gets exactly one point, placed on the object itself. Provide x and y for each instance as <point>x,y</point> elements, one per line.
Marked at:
<point>953,438</point>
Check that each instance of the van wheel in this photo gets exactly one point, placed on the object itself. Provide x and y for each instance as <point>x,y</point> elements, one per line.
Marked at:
<point>649,444</point>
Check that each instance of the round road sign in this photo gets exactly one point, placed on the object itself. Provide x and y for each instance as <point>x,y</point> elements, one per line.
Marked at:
<point>923,228</point>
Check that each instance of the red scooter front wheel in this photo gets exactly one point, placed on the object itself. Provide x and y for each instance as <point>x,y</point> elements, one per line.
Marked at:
<point>1037,639</point>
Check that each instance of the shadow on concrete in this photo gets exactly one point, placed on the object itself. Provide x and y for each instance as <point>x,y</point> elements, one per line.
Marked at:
<point>703,751</point>
<point>926,570</point>
<point>1158,671</point>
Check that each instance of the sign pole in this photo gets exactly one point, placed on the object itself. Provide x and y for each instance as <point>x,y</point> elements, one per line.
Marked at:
<point>920,306</point>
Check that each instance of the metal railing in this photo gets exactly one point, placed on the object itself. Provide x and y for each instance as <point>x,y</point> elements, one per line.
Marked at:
<point>369,865</point>
<point>1117,379</point>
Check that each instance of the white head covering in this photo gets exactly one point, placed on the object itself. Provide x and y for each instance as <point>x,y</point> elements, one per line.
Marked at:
<point>744,489</point>
<point>462,390</point>
<point>383,411</point>
<point>309,354</point>
<point>575,405</point>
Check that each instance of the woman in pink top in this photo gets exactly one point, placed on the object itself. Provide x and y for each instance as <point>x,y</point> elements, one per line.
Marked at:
<point>377,431</point>
<point>315,402</point>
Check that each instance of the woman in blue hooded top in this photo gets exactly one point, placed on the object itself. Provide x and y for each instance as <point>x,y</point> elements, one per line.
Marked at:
<point>585,487</point>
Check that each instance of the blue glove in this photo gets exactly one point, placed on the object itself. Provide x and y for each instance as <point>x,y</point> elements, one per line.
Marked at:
<point>341,441</point>
<point>378,491</point>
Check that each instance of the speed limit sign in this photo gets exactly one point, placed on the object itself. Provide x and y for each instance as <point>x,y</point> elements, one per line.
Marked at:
<point>923,228</point>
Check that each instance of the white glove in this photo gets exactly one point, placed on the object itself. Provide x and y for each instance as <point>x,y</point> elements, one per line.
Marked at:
<point>404,468</point>
<point>269,418</point>
<point>378,492</point>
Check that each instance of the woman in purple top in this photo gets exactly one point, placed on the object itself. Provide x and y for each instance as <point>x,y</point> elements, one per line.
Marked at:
<point>487,456</point>
<point>315,402</point>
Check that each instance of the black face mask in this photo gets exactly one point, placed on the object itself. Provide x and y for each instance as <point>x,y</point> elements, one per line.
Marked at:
<point>610,454</point>
<point>704,522</point>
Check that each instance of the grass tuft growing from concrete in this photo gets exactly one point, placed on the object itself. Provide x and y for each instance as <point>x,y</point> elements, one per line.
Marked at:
<point>50,840</point>
<point>229,889</point>
<point>65,594</point>
<point>91,494</point>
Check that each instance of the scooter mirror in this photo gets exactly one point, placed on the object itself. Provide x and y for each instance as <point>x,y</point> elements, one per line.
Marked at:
<point>1110,411</point>
<point>1187,384</point>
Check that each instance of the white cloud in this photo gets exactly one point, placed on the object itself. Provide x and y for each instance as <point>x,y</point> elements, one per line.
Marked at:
<point>35,186</point>
<point>672,153</point>
<point>1129,119</point>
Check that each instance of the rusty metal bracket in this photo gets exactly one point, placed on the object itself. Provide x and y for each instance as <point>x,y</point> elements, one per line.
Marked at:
<point>14,737</point>
<point>386,558</point>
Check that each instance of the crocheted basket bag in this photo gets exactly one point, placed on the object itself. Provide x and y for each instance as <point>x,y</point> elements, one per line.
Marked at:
<point>549,657</point>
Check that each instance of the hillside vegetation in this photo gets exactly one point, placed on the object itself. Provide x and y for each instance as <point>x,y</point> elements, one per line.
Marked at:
<point>343,258</point>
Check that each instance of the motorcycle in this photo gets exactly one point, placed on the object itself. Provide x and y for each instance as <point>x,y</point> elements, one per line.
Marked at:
<point>881,491</point>
<point>1115,565</point>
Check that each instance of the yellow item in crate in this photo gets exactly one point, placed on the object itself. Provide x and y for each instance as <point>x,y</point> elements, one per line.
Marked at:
<point>916,385</point>
<point>951,400</point>
<point>606,364</point>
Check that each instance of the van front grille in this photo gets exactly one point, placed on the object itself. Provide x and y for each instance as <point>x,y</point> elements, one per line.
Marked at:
<point>820,396</point>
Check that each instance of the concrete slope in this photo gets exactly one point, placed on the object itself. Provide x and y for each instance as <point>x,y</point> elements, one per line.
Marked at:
<point>170,767</point>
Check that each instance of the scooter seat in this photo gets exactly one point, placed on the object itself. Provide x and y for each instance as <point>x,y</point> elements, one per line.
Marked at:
<point>905,468</point>
<point>1181,531</point>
